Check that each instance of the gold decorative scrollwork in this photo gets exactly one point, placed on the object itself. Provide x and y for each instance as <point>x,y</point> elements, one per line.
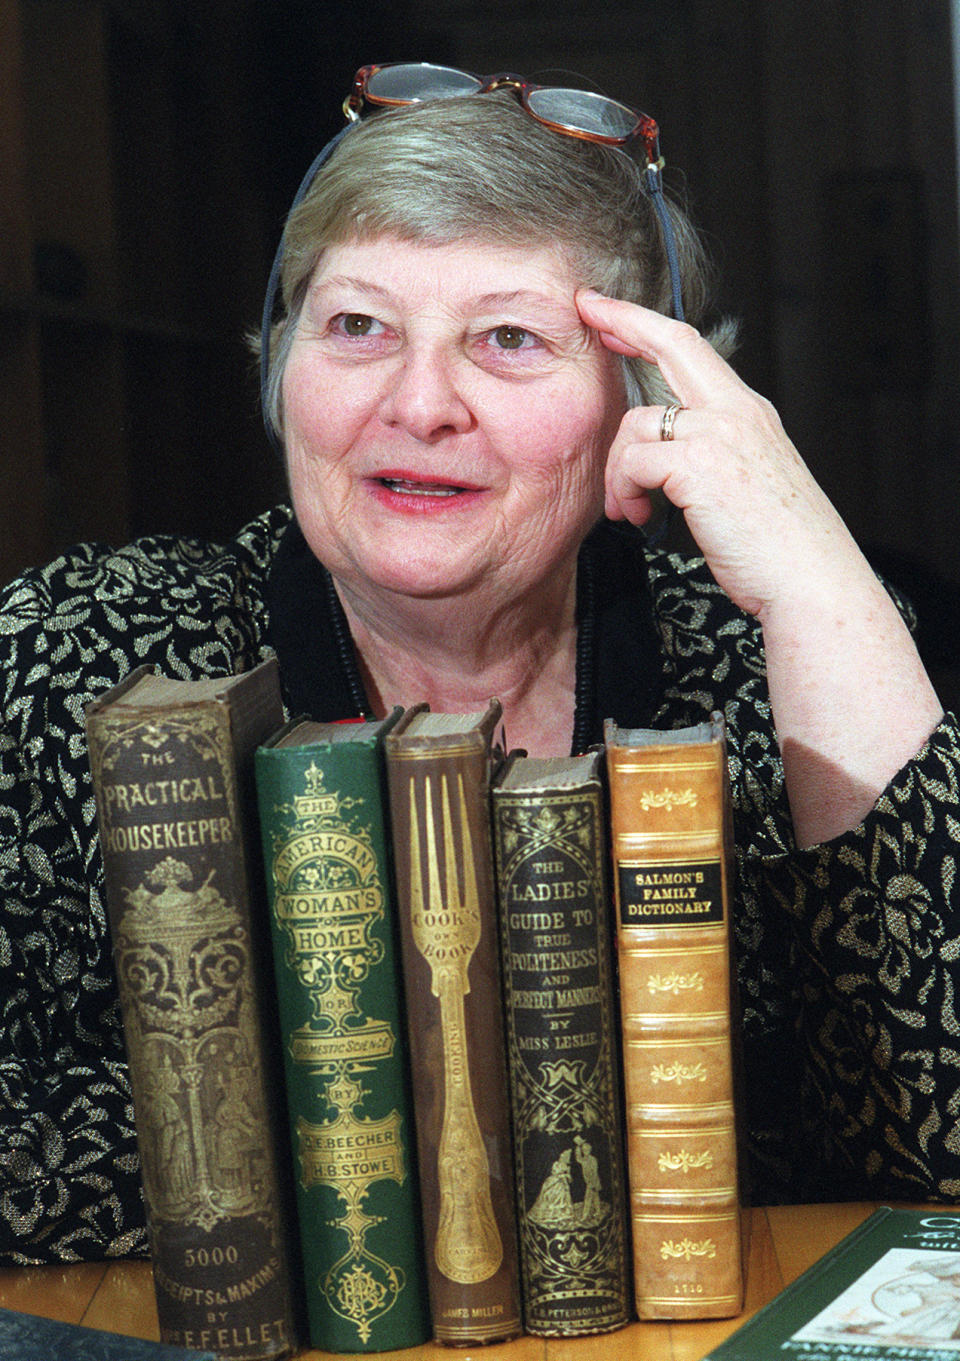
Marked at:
<point>668,799</point>
<point>684,1161</point>
<point>687,1249</point>
<point>675,983</point>
<point>678,1072</point>
<point>183,961</point>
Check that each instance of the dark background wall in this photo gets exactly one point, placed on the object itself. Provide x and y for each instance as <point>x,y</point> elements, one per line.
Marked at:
<point>149,150</point>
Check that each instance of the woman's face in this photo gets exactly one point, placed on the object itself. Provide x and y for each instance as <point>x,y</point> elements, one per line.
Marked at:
<point>447,417</point>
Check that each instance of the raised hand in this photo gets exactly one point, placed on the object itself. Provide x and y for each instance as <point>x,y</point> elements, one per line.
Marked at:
<point>761,521</point>
<point>850,698</point>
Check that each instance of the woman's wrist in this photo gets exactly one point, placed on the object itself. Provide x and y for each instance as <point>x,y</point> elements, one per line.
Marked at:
<point>851,701</point>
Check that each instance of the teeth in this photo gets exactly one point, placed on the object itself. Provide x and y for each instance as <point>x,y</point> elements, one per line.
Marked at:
<point>418,488</point>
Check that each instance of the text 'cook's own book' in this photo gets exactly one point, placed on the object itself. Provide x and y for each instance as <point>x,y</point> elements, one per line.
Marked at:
<point>439,769</point>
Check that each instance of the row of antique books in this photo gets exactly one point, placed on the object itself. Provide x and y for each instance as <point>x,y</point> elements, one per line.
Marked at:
<point>495,991</point>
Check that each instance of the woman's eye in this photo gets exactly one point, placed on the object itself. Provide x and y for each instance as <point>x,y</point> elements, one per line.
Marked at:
<point>356,324</point>
<point>512,338</point>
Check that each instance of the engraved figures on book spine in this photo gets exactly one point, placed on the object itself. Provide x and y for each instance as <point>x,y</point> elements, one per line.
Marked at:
<point>563,1059</point>
<point>172,817</point>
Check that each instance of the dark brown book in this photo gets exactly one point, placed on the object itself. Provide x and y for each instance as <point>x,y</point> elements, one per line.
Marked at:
<point>671,837</point>
<point>439,768</point>
<point>550,839</point>
<point>172,765</point>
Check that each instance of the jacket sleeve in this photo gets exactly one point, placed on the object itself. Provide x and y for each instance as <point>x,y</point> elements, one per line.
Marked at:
<point>873,924</point>
<point>848,953</point>
<point>69,1171</point>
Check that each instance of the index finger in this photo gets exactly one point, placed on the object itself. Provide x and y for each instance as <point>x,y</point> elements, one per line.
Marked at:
<point>690,365</point>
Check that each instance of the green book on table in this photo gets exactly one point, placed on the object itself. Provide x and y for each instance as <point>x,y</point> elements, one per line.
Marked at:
<point>890,1289</point>
<point>329,882</point>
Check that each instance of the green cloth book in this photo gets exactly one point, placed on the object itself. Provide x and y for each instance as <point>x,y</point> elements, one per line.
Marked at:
<point>329,881</point>
<point>890,1289</point>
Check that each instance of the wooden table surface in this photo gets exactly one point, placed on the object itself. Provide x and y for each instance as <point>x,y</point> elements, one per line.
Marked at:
<point>784,1241</point>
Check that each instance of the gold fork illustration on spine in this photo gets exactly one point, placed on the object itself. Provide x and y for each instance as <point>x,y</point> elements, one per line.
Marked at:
<point>446,930</point>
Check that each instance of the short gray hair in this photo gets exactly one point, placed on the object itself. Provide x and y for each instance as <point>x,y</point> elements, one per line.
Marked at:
<point>480,167</point>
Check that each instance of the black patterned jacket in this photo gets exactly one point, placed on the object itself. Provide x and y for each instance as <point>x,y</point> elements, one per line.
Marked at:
<point>847,953</point>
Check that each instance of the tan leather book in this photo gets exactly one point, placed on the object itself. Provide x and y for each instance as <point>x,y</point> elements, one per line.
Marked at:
<point>439,768</point>
<point>671,839</point>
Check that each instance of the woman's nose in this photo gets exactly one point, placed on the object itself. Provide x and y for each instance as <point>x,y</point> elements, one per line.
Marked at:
<point>423,396</point>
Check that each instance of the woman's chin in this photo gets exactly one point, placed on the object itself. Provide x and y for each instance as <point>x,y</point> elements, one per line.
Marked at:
<point>424,586</point>
<point>419,579</point>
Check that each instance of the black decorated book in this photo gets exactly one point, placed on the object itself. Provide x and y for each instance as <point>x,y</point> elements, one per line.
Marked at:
<point>550,838</point>
<point>890,1289</point>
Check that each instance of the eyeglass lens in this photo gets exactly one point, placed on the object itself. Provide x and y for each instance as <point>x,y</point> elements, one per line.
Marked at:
<point>409,83</point>
<point>582,111</point>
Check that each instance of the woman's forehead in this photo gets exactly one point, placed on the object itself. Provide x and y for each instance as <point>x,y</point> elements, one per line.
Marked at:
<point>485,270</point>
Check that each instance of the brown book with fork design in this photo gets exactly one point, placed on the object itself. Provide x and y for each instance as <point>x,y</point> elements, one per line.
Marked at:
<point>438,770</point>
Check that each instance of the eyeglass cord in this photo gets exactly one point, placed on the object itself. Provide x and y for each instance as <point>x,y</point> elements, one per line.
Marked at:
<point>584,698</point>
<point>273,283</point>
<point>655,187</point>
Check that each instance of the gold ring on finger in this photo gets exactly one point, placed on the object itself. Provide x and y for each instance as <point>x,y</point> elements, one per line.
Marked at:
<point>668,419</point>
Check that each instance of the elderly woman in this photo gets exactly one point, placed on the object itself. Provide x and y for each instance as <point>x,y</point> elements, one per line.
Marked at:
<point>478,386</point>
